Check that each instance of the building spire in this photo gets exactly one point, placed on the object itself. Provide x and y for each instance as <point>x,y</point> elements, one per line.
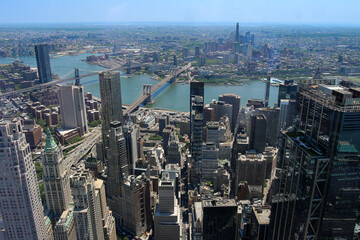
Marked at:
<point>50,142</point>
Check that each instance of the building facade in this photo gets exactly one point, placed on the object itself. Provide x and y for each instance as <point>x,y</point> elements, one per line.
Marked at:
<point>321,160</point>
<point>43,63</point>
<point>73,108</point>
<point>65,228</point>
<point>167,217</point>
<point>87,211</point>
<point>111,109</point>
<point>20,203</point>
<point>196,129</point>
<point>56,177</point>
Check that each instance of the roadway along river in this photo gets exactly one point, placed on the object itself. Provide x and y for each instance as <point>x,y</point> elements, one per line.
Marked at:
<point>175,97</point>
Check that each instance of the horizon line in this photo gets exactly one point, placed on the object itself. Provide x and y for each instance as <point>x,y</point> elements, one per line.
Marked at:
<point>314,24</point>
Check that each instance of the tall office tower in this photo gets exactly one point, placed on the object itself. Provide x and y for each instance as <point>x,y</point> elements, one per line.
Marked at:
<point>209,114</point>
<point>316,194</point>
<point>118,168</point>
<point>202,60</point>
<point>162,124</point>
<point>173,152</point>
<point>287,113</point>
<point>20,202</point>
<point>110,91</point>
<point>87,210</point>
<point>272,130</point>
<point>234,100</point>
<point>251,167</point>
<point>197,52</point>
<point>156,57</point>
<point>196,128</point>
<point>237,35</point>
<point>185,52</point>
<point>65,228</point>
<point>43,63</point>
<point>175,61</point>
<point>167,217</point>
<point>236,58</point>
<point>219,218</point>
<point>258,132</point>
<point>73,108</point>
<point>267,91</point>
<point>210,159</point>
<point>212,133</point>
<point>131,134</point>
<point>166,136</point>
<point>108,221</point>
<point>287,90</point>
<point>56,177</point>
<point>222,109</point>
<point>133,207</point>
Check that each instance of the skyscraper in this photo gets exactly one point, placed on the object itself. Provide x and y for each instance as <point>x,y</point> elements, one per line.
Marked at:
<point>56,177</point>
<point>237,35</point>
<point>258,132</point>
<point>197,52</point>
<point>131,132</point>
<point>234,100</point>
<point>196,128</point>
<point>73,108</point>
<point>267,90</point>
<point>87,210</point>
<point>110,91</point>
<point>118,168</point>
<point>65,228</point>
<point>167,213</point>
<point>20,202</point>
<point>43,63</point>
<point>210,159</point>
<point>175,61</point>
<point>287,90</point>
<point>108,221</point>
<point>287,113</point>
<point>316,194</point>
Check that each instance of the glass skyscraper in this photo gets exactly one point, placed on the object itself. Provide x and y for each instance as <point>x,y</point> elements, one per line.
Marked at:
<point>43,63</point>
<point>317,191</point>
<point>196,128</point>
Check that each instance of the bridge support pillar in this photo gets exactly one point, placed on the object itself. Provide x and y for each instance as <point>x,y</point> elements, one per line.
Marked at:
<point>147,91</point>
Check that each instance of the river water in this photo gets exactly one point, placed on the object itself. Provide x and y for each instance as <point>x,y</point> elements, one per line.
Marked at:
<point>175,97</point>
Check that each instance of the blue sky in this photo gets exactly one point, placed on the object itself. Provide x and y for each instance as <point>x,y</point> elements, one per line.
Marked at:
<point>342,12</point>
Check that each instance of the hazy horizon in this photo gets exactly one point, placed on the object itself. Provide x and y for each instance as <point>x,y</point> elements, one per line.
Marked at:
<point>260,12</point>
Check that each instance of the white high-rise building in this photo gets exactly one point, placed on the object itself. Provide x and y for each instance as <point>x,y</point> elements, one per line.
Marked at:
<point>73,108</point>
<point>56,177</point>
<point>167,213</point>
<point>20,203</point>
<point>87,212</point>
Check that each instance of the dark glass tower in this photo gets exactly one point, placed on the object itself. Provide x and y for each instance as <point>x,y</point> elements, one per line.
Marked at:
<point>43,63</point>
<point>196,128</point>
<point>316,194</point>
<point>267,90</point>
<point>287,90</point>
<point>237,35</point>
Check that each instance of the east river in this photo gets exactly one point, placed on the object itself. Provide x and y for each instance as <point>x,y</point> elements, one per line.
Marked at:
<point>175,97</point>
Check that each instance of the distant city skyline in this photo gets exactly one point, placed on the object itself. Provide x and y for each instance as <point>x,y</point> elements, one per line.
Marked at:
<point>201,11</point>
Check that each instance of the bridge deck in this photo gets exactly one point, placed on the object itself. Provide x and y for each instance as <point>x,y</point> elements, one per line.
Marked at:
<point>142,98</point>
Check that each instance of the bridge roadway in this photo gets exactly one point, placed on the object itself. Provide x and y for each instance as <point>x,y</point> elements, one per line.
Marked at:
<point>142,98</point>
<point>45,85</point>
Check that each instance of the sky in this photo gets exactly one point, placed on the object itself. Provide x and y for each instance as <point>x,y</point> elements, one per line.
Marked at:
<point>339,12</point>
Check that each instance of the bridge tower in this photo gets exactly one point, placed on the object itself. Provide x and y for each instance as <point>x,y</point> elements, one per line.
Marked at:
<point>77,77</point>
<point>147,91</point>
<point>128,64</point>
<point>173,73</point>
